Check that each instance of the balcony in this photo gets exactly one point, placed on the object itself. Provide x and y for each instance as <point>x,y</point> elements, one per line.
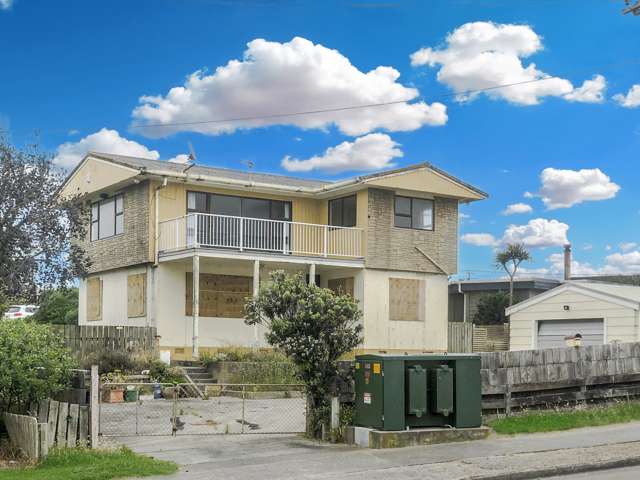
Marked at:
<point>198,230</point>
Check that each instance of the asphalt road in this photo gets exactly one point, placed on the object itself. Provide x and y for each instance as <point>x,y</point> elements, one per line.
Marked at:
<point>631,473</point>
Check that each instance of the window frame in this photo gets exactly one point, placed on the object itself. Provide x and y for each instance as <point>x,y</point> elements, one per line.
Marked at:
<point>410,214</point>
<point>209,195</point>
<point>96,219</point>
<point>341,200</point>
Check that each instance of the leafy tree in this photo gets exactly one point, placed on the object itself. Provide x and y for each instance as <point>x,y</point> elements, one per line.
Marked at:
<point>312,326</point>
<point>38,227</point>
<point>34,364</point>
<point>58,306</point>
<point>490,309</point>
<point>510,259</point>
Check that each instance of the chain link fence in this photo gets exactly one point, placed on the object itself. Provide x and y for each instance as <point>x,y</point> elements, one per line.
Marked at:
<point>128,409</point>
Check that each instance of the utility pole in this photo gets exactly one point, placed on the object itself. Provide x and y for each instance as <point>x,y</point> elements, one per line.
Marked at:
<point>632,8</point>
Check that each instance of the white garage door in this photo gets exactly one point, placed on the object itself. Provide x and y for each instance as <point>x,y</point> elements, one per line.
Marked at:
<point>551,333</point>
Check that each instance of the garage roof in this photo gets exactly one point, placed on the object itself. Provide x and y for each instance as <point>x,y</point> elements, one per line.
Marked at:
<point>624,295</point>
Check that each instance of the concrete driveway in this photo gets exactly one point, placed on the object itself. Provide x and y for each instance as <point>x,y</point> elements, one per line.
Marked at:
<point>249,457</point>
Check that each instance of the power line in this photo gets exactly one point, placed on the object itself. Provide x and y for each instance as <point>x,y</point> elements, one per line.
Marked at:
<point>337,109</point>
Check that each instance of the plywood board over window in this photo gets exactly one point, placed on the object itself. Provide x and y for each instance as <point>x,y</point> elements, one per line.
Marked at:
<point>94,299</point>
<point>220,295</point>
<point>136,295</point>
<point>343,286</point>
<point>406,300</point>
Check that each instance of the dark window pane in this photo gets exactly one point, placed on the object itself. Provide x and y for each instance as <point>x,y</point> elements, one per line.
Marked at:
<point>335,212</point>
<point>403,206</point>
<point>402,222</point>
<point>254,208</point>
<point>422,214</point>
<point>223,205</point>
<point>280,210</point>
<point>349,211</point>
<point>197,202</point>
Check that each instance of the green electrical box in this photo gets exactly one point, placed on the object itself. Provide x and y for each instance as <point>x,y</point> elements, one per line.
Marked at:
<point>397,392</point>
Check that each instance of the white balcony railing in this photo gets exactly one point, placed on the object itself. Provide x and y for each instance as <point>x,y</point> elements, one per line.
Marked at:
<point>256,234</point>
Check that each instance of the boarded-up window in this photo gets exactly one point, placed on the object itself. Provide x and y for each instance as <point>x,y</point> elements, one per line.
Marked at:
<point>220,295</point>
<point>406,300</point>
<point>136,295</point>
<point>94,299</point>
<point>342,286</point>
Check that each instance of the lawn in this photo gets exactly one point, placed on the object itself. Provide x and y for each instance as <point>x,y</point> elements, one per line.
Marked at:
<point>535,422</point>
<point>82,464</point>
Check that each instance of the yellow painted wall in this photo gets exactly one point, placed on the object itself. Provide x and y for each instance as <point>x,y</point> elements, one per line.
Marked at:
<point>95,175</point>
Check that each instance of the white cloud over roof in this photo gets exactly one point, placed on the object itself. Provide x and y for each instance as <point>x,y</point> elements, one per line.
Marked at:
<point>486,55</point>
<point>296,76</point>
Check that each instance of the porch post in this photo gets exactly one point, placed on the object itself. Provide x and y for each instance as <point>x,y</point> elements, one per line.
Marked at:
<point>312,274</point>
<point>195,307</point>
<point>256,289</point>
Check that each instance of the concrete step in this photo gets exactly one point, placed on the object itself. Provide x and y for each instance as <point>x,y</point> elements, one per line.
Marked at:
<point>199,376</point>
<point>194,370</point>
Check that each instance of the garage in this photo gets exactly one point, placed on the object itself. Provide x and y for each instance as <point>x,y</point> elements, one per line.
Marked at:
<point>600,312</point>
<point>552,333</point>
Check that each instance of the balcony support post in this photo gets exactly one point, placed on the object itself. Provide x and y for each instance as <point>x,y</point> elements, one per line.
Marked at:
<point>312,274</point>
<point>256,289</point>
<point>195,307</point>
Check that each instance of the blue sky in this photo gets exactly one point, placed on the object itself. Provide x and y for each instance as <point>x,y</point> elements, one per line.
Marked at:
<point>71,69</point>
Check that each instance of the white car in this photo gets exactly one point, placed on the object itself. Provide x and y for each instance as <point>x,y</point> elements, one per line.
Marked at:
<point>20,311</point>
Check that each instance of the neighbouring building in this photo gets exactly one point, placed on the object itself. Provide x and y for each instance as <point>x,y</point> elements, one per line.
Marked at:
<point>599,312</point>
<point>464,295</point>
<point>180,247</point>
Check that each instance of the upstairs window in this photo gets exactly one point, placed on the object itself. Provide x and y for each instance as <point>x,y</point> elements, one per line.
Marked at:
<point>200,202</point>
<point>414,213</point>
<point>342,212</point>
<point>107,218</point>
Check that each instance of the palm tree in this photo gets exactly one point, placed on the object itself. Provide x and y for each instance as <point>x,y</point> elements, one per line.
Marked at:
<point>510,259</point>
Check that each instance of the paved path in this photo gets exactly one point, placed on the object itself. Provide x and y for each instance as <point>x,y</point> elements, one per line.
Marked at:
<point>250,457</point>
<point>630,473</point>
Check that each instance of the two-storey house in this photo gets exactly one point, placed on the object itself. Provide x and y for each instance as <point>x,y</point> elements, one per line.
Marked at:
<point>180,247</point>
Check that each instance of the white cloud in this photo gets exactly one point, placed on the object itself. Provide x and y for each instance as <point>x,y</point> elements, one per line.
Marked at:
<point>69,154</point>
<point>464,216</point>
<point>5,4</point>
<point>538,232</point>
<point>296,76</point>
<point>181,158</point>
<point>626,246</point>
<point>565,188</point>
<point>631,99</point>
<point>587,247</point>
<point>371,152</point>
<point>480,239</point>
<point>608,248</point>
<point>591,91</point>
<point>485,55</point>
<point>516,208</point>
<point>628,262</point>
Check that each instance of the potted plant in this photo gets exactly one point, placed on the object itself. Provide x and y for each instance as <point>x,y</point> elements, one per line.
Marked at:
<point>113,387</point>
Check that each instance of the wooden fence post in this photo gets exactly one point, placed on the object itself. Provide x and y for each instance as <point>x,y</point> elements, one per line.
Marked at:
<point>93,406</point>
<point>335,413</point>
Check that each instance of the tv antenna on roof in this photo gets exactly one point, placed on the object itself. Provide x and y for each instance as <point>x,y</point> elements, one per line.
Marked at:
<point>250,164</point>
<point>191,158</point>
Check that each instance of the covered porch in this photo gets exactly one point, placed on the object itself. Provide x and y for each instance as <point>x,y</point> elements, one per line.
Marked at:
<point>201,294</point>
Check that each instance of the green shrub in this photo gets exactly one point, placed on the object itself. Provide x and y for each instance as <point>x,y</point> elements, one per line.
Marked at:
<point>244,354</point>
<point>109,361</point>
<point>34,364</point>
<point>58,307</point>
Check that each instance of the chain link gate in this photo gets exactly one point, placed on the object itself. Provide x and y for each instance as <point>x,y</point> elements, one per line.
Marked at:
<point>128,409</point>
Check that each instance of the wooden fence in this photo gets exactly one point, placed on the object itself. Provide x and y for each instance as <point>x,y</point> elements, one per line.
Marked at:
<point>81,339</point>
<point>50,423</point>
<point>534,378</point>
<point>27,434</point>
<point>466,337</point>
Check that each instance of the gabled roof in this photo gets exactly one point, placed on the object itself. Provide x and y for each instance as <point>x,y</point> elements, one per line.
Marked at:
<point>623,295</point>
<point>410,178</point>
